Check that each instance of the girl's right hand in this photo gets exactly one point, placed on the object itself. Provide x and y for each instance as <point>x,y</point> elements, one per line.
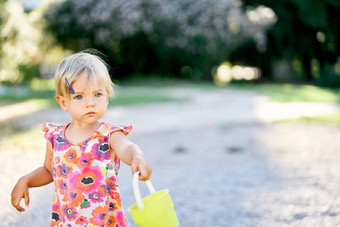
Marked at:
<point>20,191</point>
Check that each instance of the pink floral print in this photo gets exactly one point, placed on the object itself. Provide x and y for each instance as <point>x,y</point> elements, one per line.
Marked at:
<point>85,177</point>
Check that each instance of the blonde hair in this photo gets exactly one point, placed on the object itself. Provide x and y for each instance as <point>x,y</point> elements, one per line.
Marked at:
<point>72,66</point>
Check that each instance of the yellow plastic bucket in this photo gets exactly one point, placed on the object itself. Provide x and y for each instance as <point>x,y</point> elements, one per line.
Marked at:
<point>155,210</point>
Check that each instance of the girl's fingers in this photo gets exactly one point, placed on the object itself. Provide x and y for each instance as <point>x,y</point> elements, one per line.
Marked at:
<point>27,199</point>
<point>16,204</point>
<point>145,173</point>
<point>134,169</point>
<point>142,173</point>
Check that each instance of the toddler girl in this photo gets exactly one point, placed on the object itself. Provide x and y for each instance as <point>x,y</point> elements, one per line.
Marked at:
<point>83,157</point>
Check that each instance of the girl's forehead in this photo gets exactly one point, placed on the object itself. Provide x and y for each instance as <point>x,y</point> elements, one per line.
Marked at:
<point>85,82</point>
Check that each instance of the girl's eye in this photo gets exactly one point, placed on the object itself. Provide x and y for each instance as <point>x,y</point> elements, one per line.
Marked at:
<point>98,94</point>
<point>78,97</point>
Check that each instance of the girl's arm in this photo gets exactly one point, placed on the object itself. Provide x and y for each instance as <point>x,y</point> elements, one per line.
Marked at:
<point>39,177</point>
<point>130,154</point>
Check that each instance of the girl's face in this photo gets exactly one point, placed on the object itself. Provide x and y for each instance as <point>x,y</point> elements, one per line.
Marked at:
<point>89,101</point>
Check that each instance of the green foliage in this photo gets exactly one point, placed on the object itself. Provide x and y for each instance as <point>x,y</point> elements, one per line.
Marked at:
<point>331,119</point>
<point>2,18</point>
<point>305,30</point>
<point>328,79</point>
<point>20,43</point>
<point>312,13</point>
<point>130,62</point>
<point>141,97</point>
<point>156,36</point>
<point>28,72</point>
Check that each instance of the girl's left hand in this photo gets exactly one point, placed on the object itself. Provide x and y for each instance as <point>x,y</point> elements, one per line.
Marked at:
<point>139,163</point>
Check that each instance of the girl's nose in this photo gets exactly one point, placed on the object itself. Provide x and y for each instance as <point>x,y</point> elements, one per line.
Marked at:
<point>90,102</point>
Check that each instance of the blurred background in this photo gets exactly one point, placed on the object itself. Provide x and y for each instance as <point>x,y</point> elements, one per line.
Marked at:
<point>220,41</point>
<point>255,81</point>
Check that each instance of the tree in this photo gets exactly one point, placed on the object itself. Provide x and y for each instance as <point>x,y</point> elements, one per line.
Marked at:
<point>2,19</point>
<point>20,39</point>
<point>136,34</point>
<point>307,30</point>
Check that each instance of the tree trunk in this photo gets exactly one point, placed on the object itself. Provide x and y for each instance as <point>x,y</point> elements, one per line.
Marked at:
<point>306,64</point>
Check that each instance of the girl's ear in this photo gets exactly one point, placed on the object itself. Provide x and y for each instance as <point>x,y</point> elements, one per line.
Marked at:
<point>62,102</point>
<point>107,96</point>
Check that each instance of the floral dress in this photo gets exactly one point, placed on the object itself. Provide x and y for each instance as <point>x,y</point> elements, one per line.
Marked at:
<point>85,177</point>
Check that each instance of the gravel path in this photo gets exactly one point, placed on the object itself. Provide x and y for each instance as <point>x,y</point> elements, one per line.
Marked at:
<point>223,161</point>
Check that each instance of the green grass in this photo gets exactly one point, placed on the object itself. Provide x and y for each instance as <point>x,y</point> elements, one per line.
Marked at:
<point>138,90</point>
<point>24,138</point>
<point>43,91</point>
<point>276,92</point>
<point>20,137</point>
<point>330,119</point>
<point>10,129</point>
<point>141,98</point>
<point>293,93</point>
<point>28,140</point>
<point>299,93</point>
<point>157,81</point>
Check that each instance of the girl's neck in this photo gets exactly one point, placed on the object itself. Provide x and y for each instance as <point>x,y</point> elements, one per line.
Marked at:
<point>83,126</point>
<point>77,133</point>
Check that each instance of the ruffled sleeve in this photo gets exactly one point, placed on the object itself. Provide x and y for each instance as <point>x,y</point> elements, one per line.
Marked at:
<point>125,128</point>
<point>48,129</point>
<point>107,128</point>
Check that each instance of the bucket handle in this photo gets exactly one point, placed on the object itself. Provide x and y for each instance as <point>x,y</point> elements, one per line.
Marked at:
<point>136,191</point>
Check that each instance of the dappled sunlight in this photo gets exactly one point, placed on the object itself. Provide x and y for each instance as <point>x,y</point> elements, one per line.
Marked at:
<point>268,111</point>
<point>261,15</point>
<point>225,73</point>
<point>321,37</point>
<point>245,73</point>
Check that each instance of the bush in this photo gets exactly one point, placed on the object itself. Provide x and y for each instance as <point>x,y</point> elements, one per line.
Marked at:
<point>28,72</point>
<point>328,78</point>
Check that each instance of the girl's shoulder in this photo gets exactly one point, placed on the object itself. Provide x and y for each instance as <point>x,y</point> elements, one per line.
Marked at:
<point>51,130</point>
<point>107,128</point>
<point>49,126</point>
